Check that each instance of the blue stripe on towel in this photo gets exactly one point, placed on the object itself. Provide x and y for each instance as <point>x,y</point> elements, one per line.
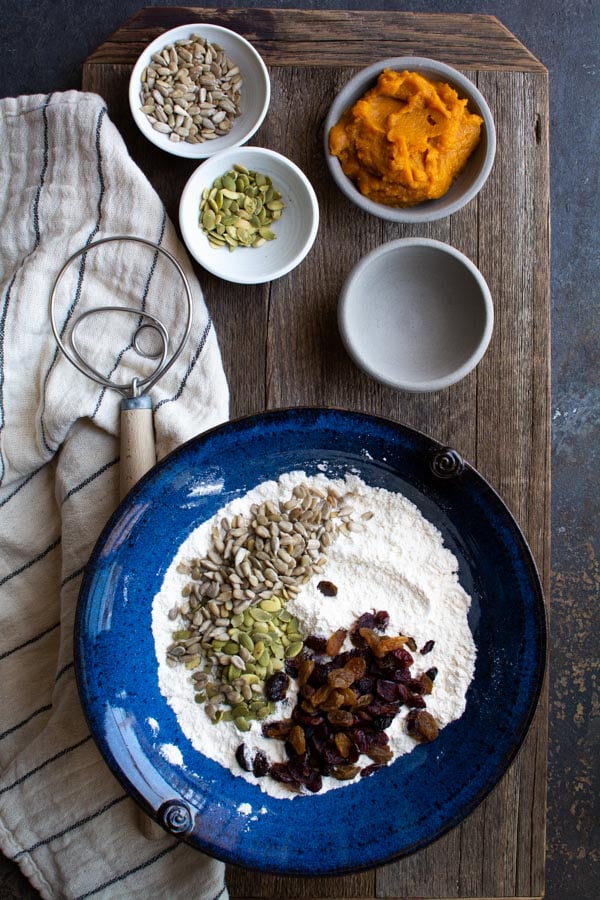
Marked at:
<point>190,368</point>
<point>43,765</point>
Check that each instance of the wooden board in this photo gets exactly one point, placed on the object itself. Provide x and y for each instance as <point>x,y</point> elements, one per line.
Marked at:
<point>281,346</point>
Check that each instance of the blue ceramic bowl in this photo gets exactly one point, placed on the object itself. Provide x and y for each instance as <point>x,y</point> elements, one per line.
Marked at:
<point>399,809</point>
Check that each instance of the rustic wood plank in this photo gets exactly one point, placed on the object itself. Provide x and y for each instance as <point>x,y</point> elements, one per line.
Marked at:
<point>281,346</point>
<point>306,37</point>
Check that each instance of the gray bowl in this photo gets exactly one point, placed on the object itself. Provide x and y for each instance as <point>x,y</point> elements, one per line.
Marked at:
<point>469,182</point>
<point>416,314</point>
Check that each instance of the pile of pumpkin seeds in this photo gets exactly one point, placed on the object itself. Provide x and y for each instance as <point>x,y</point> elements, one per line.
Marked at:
<point>191,91</point>
<point>235,630</point>
<point>239,209</point>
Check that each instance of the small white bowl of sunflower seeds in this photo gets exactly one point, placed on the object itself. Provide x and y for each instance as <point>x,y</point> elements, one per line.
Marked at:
<point>248,215</point>
<point>199,89</point>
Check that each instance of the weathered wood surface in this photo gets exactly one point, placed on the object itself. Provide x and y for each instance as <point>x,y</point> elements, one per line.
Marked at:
<point>281,347</point>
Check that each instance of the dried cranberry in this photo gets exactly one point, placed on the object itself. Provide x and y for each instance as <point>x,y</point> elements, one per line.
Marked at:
<point>327,588</point>
<point>304,718</point>
<point>276,686</point>
<point>281,772</point>
<point>427,648</point>
<point>377,708</point>
<point>382,619</point>
<point>260,765</point>
<point>368,770</point>
<point>387,690</point>
<point>404,694</point>
<point>403,657</point>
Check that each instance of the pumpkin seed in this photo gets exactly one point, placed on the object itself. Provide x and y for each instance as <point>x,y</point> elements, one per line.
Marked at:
<point>245,206</point>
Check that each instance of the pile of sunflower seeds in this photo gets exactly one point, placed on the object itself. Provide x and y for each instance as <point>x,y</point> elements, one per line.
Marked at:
<point>239,209</point>
<point>235,630</point>
<point>191,91</point>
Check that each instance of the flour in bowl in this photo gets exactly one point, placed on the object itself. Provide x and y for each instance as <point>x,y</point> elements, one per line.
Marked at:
<point>321,611</point>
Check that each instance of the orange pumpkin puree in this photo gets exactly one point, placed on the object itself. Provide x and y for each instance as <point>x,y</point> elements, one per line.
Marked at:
<point>406,139</point>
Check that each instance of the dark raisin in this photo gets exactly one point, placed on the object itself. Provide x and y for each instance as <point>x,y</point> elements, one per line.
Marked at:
<point>316,643</point>
<point>367,620</point>
<point>242,754</point>
<point>292,666</point>
<point>276,686</point>
<point>427,647</point>
<point>260,765</point>
<point>327,588</point>
<point>432,673</point>
<point>364,685</point>
<point>382,722</point>
<point>416,702</point>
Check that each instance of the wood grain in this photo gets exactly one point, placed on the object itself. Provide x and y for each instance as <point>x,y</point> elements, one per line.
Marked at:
<point>281,346</point>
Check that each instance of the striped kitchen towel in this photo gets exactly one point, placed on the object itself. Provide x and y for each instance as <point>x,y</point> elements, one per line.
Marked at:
<point>66,180</point>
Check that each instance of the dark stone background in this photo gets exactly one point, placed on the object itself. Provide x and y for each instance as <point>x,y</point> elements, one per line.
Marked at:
<point>44,44</point>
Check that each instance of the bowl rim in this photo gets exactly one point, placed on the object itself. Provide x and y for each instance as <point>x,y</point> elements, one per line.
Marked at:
<point>181,149</point>
<point>433,384</point>
<point>423,212</point>
<point>191,187</point>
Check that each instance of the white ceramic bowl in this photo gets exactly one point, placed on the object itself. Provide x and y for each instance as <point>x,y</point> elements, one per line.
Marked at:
<point>416,314</point>
<point>296,229</point>
<point>473,176</point>
<point>255,95</point>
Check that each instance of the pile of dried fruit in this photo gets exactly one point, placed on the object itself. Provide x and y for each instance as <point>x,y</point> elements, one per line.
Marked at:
<point>235,631</point>
<point>346,701</point>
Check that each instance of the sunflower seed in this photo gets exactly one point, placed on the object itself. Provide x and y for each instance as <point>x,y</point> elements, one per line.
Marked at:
<point>193,70</point>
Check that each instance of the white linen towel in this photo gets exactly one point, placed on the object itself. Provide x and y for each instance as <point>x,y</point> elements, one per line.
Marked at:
<point>66,180</point>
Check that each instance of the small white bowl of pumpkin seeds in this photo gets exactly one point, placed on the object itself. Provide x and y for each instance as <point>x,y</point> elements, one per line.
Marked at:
<point>248,215</point>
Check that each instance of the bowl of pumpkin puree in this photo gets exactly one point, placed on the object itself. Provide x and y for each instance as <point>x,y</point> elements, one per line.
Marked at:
<point>410,139</point>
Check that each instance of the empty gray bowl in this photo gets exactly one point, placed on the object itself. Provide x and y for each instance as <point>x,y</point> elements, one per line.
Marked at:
<point>416,314</point>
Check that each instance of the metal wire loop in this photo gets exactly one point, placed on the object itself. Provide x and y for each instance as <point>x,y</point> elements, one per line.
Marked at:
<point>147,321</point>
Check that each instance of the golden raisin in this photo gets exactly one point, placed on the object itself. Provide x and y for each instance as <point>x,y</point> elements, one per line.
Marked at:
<point>297,739</point>
<point>335,642</point>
